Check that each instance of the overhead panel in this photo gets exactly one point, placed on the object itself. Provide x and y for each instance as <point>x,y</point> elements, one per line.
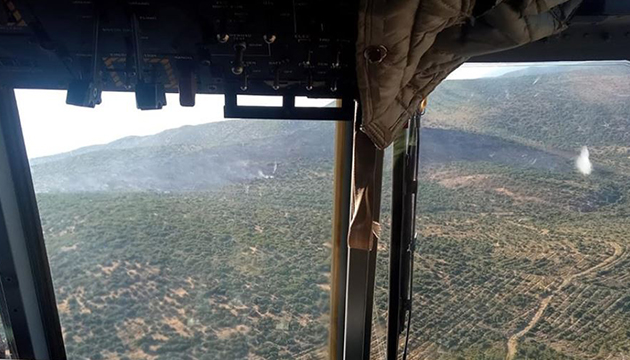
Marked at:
<point>265,47</point>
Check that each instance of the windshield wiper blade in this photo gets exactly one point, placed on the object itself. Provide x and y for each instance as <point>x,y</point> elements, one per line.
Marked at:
<point>403,235</point>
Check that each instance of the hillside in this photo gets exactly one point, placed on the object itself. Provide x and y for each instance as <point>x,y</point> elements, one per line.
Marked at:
<point>196,158</point>
<point>189,158</point>
<point>213,241</point>
<point>562,108</point>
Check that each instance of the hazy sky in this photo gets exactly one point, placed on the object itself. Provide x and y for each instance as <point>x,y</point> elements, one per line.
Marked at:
<point>51,127</point>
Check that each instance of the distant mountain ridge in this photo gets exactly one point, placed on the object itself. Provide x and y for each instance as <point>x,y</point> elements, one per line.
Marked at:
<point>221,133</point>
<point>194,158</point>
<point>188,158</point>
<point>564,107</point>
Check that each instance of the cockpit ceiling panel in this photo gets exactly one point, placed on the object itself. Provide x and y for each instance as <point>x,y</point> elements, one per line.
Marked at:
<point>594,37</point>
<point>301,47</point>
<point>266,46</point>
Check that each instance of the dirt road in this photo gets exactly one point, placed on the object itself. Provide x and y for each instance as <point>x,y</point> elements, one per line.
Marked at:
<point>512,343</point>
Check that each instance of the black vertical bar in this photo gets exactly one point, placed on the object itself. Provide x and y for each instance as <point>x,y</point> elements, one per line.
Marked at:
<point>231,101</point>
<point>29,293</point>
<point>376,210</point>
<point>359,302</point>
<point>395,249</point>
<point>288,102</point>
<point>361,271</point>
<point>356,308</point>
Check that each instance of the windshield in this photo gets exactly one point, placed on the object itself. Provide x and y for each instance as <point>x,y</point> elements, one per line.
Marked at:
<point>212,240</point>
<point>204,241</point>
<point>523,217</point>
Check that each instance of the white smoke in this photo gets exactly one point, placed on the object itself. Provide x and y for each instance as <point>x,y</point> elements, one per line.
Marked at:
<point>583,163</point>
<point>262,175</point>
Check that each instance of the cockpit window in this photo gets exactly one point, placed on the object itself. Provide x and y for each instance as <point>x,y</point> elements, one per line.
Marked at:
<point>523,218</point>
<point>173,235</point>
<point>170,233</point>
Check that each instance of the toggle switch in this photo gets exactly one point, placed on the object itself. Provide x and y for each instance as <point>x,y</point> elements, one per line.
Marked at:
<point>239,66</point>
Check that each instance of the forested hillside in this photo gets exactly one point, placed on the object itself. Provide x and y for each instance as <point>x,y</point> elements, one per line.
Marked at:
<point>560,108</point>
<point>213,241</point>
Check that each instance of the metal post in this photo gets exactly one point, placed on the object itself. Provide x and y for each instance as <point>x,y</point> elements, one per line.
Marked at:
<point>395,251</point>
<point>357,298</point>
<point>360,299</point>
<point>340,223</point>
<point>33,322</point>
<point>361,268</point>
<point>372,263</point>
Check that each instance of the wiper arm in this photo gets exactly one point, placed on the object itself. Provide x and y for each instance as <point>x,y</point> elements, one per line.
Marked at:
<point>403,235</point>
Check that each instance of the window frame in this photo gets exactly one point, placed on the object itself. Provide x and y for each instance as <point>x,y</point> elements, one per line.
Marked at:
<point>33,329</point>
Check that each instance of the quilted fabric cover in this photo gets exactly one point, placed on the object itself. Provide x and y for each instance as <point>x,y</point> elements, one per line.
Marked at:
<point>405,48</point>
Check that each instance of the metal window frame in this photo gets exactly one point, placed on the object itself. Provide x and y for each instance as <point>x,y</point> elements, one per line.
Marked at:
<point>361,271</point>
<point>340,224</point>
<point>31,317</point>
<point>396,250</point>
<point>288,111</point>
<point>353,270</point>
<point>33,325</point>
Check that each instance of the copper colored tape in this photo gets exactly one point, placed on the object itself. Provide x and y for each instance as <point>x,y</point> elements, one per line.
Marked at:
<point>366,193</point>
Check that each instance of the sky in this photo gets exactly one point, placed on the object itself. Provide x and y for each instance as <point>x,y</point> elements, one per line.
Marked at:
<point>51,127</point>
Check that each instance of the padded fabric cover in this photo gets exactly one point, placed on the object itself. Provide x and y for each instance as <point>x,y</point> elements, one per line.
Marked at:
<point>405,48</point>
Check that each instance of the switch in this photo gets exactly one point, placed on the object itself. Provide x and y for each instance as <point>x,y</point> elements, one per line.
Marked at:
<point>239,66</point>
<point>244,84</point>
<point>309,81</point>
<point>276,80</point>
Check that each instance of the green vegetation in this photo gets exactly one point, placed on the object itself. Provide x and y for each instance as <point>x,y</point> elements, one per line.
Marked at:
<point>497,244</point>
<point>193,245</point>
<point>523,259</point>
<point>228,274</point>
<point>563,108</point>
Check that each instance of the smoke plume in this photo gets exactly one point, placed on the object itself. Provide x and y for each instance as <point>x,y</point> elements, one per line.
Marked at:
<point>583,163</point>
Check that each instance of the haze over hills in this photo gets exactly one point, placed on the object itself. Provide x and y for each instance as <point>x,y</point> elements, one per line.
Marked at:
<point>189,158</point>
<point>212,241</point>
<point>205,157</point>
